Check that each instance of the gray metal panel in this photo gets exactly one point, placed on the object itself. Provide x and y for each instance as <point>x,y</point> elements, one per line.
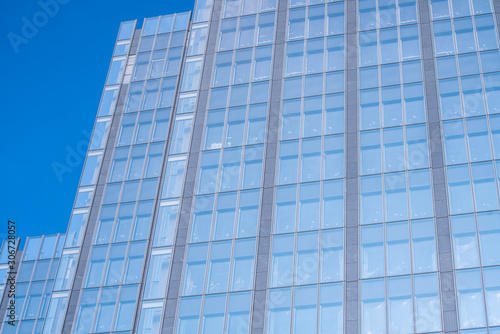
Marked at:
<point>169,317</point>
<point>442,220</point>
<point>261,284</point>
<point>351,289</point>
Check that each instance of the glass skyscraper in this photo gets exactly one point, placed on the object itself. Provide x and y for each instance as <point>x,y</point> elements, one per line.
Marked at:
<point>285,166</point>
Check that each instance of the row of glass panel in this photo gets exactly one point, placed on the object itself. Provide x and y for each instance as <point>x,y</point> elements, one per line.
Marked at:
<point>375,14</point>
<point>396,196</point>
<point>442,9</point>
<point>392,106</point>
<point>475,143</point>
<point>314,51</point>
<point>386,46</point>
<point>394,149</point>
<point>110,309</point>
<point>235,127</point>
<point>462,36</point>
<point>157,64</point>
<point>316,309</point>
<point>219,267</point>
<point>239,95</point>
<point>315,84</point>
<point>471,99</point>
<point>232,215</point>
<point>232,7</point>
<point>321,20</point>
<point>133,221</point>
<point>480,195</point>
<point>223,313</point>
<point>312,116</point>
<point>163,24</point>
<point>390,74</point>
<point>321,158</point>
<point>246,32</point>
<point>243,69</point>
<point>307,257</point>
<point>468,64</point>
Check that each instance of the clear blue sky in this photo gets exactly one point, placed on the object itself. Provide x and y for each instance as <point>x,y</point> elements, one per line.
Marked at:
<point>50,92</point>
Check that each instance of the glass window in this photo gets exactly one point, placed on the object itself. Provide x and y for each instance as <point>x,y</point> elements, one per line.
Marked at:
<point>311,159</point>
<point>136,162</point>
<point>373,306</point>
<point>235,126</point>
<point>279,311</point>
<point>126,30</point>
<point>230,169</point>
<point>189,314</point>
<point>423,246</point>
<point>202,218</point>
<point>114,267</point>
<point>465,241</point>
<point>459,189</point>
<point>105,310</point>
<point>391,106</point>
<point>108,101</point>
<point>224,217</point>
<point>86,310</point>
<point>124,222</point>
<point>99,136</point>
<point>142,220</point>
<point>248,213</point>
<point>76,227</point>
<point>116,71</point>
<point>238,312</point>
<point>414,103</point>
<point>150,319</point>
<point>243,265</point>
<point>32,248</point>
<point>41,270</point>
<point>265,29</point>
<point>55,314</point>
<point>191,76</point>
<point>174,177</point>
<point>246,32</point>
<point>370,152</point>
<point>309,206</point>
<point>208,172</point>
<point>165,224</point>
<point>420,194</point>
<point>262,63</point>
<point>296,23</point>
<point>213,314</point>
<point>282,260</point>
<point>306,265</point>
<point>96,266</point>
<point>489,231</point>
<point>372,251</point>
<point>304,309</point>
<point>141,66</point>
<point>394,151</point>
<point>134,261</point>
<point>252,167</point>
<point>218,267</point>
<point>399,293</point>
<point>222,70</point>
<point>181,134</point>
<point>470,298</point>
<point>369,109</point>
<point>396,203</point>
<point>485,190</point>
<point>66,271</point>
<point>443,39</point>
<point>285,209</point>
<point>491,289</point>
<point>91,170</point>
<point>371,199</point>
<point>173,62</point>
<point>134,96</point>
<point>195,271</point>
<point>427,305</point>
<point>227,34</point>
<point>126,307</point>
<point>398,249</point>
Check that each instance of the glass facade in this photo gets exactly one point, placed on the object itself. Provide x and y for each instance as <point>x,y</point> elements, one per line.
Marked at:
<point>285,166</point>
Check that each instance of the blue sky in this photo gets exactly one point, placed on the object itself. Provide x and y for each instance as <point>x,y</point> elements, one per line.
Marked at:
<point>52,79</point>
